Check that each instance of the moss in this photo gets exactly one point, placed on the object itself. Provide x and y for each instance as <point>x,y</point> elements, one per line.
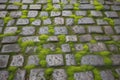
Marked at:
<point>104,53</point>
<point>107,61</point>
<point>29,67</point>
<point>58,51</point>
<point>17,3</point>
<point>76,6</point>
<point>76,18</point>
<point>32,19</point>
<point>110,21</point>
<point>6,19</point>
<point>12,68</point>
<point>98,5</point>
<point>96,74</point>
<point>62,39</point>
<point>48,73</point>
<point>43,17</point>
<point>24,14</point>
<point>93,41</point>
<point>43,63</point>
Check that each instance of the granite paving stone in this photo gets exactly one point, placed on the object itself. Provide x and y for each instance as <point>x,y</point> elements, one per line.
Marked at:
<point>85,38</point>
<point>59,20</point>
<point>32,13</point>
<point>95,29</point>
<point>1,30</point>
<point>101,22</point>
<point>30,49</point>
<point>47,21</point>
<point>20,75</point>
<point>71,38</point>
<point>30,38</point>
<point>10,30</point>
<point>12,7</point>
<point>55,13</point>
<point>115,59</point>
<point>1,22</point>
<point>36,22</point>
<point>3,14</point>
<point>60,30</point>
<point>113,48</point>
<point>4,61</point>
<point>10,39</point>
<point>33,60</point>
<point>53,38</point>
<point>70,60</point>
<point>15,14</point>
<point>108,30</point>
<point>65,48</point>
<point>66,13</point>
<point>86,20</point>
<point>26,31</point>
<point>22,22</point>
<point>35,7</point>
<point>2,7</point>
<point>4,75</point>
<point>69,21</point>
<point>43,30</point>
<point>117,29</point>
<point>11,22</point>
<point>81,13</point>
<point>50,46</point>
<point>78,29</point>
<point>78,47</point>
<point>111,14</point>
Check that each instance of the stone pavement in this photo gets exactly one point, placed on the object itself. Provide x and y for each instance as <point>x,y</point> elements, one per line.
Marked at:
<point>59,40</point>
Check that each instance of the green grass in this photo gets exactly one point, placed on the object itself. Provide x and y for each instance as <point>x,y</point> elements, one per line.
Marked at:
<point>98,5</point>
<point>110,21</point>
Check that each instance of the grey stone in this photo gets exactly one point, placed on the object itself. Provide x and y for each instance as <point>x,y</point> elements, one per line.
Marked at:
<point>1,22</point>
<point>118,71</point>
<point>117,21</point>
<point>96,13</point>
<point>30,38</point>
<point>35,6</point>
<point>97,47</point>
<point>108,30</point>
<point>12,7</point>
<point>47,21</point>
<point>95,29</point>
<point>20,75</point>
<point>93,60</point>
<point>32,13</point>
<point>54,13</point>
<point>4,75</point>
<point>4,61</point>
<point>37,22</point>
<point>15,14</point>
<point>70,60</point>
<point>71,38</point>
<point>85,38</point>
<point>60,30</point>
<point>43,13</point>
<point>111,14</point>
<point>1,30</point>
<point>3,14</point>
<point>11,22</point>
<point>115,59</point>
<point>10,30</point>
<point>59,20</point>
<point>66,13</point>
<point>37,74</point>
<point>57,6</point>
<point>22,22</point>
<point>17,60</point>
<point>113,48</point>
<point>24,6</point>
<point>78,47</point>
<point>73,1</point>
<point>68,7</point>
<point>10,48</point>
<point>12,1</point>
<point>79,29</point>
<point>64,1</point>
<point>115,7</point>
<point>106,7</point>
<point>53,38</point>
<point>102,38</point>
<point>2,6</point>
<point>65,48</point>
<point>69,21</point>
<point>55,1</point>
<point>50,46</point>
<point>28,30</point>
<point>86,7</point>
<point>43,30</point>
<point>27,1</point>
<point>116,38</point>
<point>101,22</point>
<point>84,1</point>
<point>31,49</point>
<point>59,74</point>
<point>107,75</point>
<point>84,76</point>
<point>55,60</point>
<point>9,39</point>
<point>117,29</point>
<point>86,20</point>
<point>33,60</point>
<point>81,13</point>
<point>42,1</point>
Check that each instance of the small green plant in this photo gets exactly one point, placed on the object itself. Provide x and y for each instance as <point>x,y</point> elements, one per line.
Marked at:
<point>48,73</point>
<point>107,61</point>
<point>6,19</point>
<point>76,6</point>
<point>32,19</point>
<point>51,29</point>
<point>29,67</point>
<point>98,5</point>
<point>43,38</point>
<point>58,51</point>
<point>62,39</point>
<point>12,68</point>
<point>24,14</point>
<point>43,63</point>
<point>93,41</point>
<point>43,17</point>
<point>110,21</point>
<point>17,3</point>
<point>104,53</point>
<point>97,74</point>
<point>76,18</point>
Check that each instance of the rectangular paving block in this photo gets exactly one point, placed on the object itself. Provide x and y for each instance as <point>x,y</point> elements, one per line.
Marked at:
<point>4,61</point>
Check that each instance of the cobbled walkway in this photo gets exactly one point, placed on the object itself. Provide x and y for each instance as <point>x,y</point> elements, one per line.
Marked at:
<point>59,40</point>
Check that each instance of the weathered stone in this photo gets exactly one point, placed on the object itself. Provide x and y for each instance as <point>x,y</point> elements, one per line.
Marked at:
<point>60,30</point>
<point>69,21</point>
<point>113,48</point>
<point>10,30</point>
<point>117,21</point>
<point>68,6</point>
<point>24,6</point>
<point>101,22</point>
<point>49,46</point>
<point>30,38</point>
<point>2,6</point>
<point>37,22</point>
<point>28,30</point>
<point>4,61</point>
<point>11,22</point>
<point>115,59</point>
<point>116,38</point>
<point>84,76</point>
<point>57,6</point>
<point>93,60</point>
<point>85,38</point>
<point>115,7</point>
<point>64,1</point>
<point>59,74</point>
<point>97,47</point>
<point>71,38</point>
<point>70,60</point>
<point>1,22</point>
<point>4,75</point>
<point>86,20</point>
<point>79,29</point>
<point>111,14</point>
<point>22,22</point>
<point>96,13</point>
<point>78,47</point>
<point>66,13</point>
<point>43,13</point>
<point>15,14</point>
<point>27,1</point>
<point>59,20</point>
<point>117,29</point>
<point>3,14</point>
<point>86,6</point>
<point>55,60</point>
<point>10,48</point>
<point>17,60</point>
<point>54,13</point>
<point>10,39</point>
<point>47,21</point>
<point>1,30</point>
<point>12,1</point>
<point>106,7</point>
<point>32,13</point>
<point>31,49</point>
<point>118,71</point>
<point>43,30</point>
<point>95,29</point>
<point>107,75</point>
<point>55,1</point>
<point>37,74</point>
<point>81,13</point>
<point>102,38</point>
<point>42,1</point>
<point>35,6</point>
<point>12,7</point>
<point>33,60</point>
<point>53,38</point>
<point>65,48</point>
<point>108,30</point>
<point>20,75</point>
